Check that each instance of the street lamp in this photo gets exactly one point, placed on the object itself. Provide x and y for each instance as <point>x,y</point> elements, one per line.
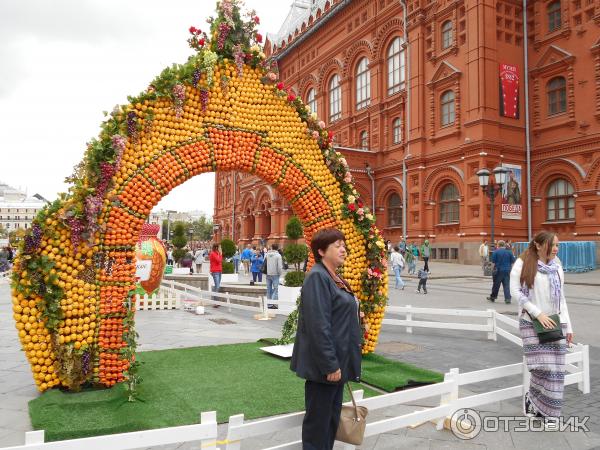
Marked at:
<point>191,232</point>
<point>404,194</point>
<point>491,189</point>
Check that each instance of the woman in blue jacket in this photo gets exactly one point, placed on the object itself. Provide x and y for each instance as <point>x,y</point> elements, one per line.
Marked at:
<point>327,348</point>
<point>257,262</point>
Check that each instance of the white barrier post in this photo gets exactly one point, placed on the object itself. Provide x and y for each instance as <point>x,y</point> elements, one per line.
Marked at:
<point>209,417</point>
<point>450,397</point>
<point>228,300</point>
<point>584,367</point>
<point>234,421</point>
<point>408,318</point>
<point>491,322</point>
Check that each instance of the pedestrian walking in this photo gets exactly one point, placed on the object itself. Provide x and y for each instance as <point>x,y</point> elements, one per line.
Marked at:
<point>484,253</point>
<point>170,257</point>
<point>411,260</point>
<point>537,280</point>
<point>246,257</point>
<point>402,246</point>
<point>198,259</point>
<point>397,262</point>
<point>256,266</point>
<point>423,275</point>
<point>187,261</point>
<point>327,347</point>
<point>503,259</point>
<point>216,266</point>
<point>236,261</point>
<point>274,271</point>
<point>425,254</point>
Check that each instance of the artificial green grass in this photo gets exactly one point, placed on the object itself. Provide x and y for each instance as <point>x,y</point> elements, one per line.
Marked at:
<point>392,375</point>
<point>179,384</point>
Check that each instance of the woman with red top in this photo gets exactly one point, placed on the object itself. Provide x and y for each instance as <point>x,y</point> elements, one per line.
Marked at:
<point>216,265</point>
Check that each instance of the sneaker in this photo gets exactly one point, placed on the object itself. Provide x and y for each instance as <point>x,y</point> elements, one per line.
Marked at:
<point>402,287</point>
<point>418,291</point>
<point>491,299</point>
<point>508,302</point>
<point>425,292</point>
<point>271,306</point>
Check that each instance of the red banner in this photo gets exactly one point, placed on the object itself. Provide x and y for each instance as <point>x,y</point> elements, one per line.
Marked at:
<point>509,91</point>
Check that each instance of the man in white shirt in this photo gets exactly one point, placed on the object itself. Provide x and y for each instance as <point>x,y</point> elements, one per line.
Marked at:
<point>397,262</point>
<point>274,264</point>
<point>483,253</point>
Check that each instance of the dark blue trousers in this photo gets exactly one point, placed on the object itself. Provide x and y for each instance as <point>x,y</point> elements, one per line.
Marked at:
<point>502,276</point>
<point>323,404</point>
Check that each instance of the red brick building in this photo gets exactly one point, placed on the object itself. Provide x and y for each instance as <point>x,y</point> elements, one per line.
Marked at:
<point>466,111</point>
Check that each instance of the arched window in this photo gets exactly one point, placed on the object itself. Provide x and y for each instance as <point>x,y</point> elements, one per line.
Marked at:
<point>557,95</point>
<point>397,130</point>
<point>554,17</point>
<point>396,66</point>
<point>364,140</point>
<point>363,84</point>
<point>449,204</point>
<point>335,98</point>
<point>311,100</point>
<point>446,34</point>
<point>560,201</point>
<point>394,207</point>
<point>447,108</point>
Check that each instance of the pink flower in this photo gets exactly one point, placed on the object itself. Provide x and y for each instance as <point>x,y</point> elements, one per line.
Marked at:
<point>321,124</point>
<point>256,20</point>
<point>193,30</point>
<point>315,134</point>
<point>348,177</point>
<point>272,76</point>
<point>258,37</point>
<point>361,211</point>
<point>280,86</point>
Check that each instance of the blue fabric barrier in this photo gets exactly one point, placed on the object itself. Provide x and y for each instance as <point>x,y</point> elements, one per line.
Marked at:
<point>576,256</point>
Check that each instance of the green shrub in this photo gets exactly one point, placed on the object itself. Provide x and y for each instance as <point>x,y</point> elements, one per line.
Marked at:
<point>293,228</point>
<point>295,254</point>
<point>294,279</point>
<point>228,267</point>
<point>228,248</point>
<point>179,253</point>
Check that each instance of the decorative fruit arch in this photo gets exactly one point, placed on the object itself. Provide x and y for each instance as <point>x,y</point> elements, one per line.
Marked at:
<point>224,109</point>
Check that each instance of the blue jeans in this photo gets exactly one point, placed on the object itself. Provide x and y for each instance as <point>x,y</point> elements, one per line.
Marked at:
<point>399,282</point>
<point>502,276</point>
<point>257,275</point>
<point>273,287</point>
<point>217,280</point>
<point>236,265</point>
<point>412,267</point>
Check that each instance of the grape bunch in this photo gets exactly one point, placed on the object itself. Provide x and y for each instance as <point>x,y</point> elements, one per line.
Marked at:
<point>85,363</point>
<point>204,94</point>
<point>132,125</point>
<point>196,77</point>
<point>224,29</point>
<point>77,230</point>
<point>33,238</point>
<point>178,98</point>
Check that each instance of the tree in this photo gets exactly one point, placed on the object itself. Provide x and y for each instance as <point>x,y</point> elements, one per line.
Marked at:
<point>165,230</point>
<point>14,237</point>
<point>293,228</point>
<point>228,248</point>
<point>203,228</point>
<point>294,253</point>
<point>3,232</point>
<point>179,241</point>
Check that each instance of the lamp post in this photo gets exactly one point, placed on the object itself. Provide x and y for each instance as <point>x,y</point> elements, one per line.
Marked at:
<point>404,195</point>
<point>191,232</point>
<point>491,189</point>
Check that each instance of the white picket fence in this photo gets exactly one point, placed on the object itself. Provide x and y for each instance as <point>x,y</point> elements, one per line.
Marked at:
<point>448,391</point>
<point>205,431</point>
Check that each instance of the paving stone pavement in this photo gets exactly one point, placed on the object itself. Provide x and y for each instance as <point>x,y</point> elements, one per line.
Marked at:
<point>434,349</point>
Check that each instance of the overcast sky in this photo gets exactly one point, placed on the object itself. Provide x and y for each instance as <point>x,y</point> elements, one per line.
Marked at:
<point>63,62</point>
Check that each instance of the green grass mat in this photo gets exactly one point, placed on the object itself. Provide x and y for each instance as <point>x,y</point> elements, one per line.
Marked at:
<point>179,384</point>
<point>392,375</point>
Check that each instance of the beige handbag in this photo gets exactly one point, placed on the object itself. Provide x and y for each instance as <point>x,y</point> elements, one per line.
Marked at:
<point>351,429</point>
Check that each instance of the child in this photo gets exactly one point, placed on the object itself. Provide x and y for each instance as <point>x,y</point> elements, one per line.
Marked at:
<point>411,260</point>
<point>422,274</point>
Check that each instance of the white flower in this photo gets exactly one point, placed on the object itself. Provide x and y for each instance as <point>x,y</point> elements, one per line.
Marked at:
<point>344,162</point>
<point>351,199</point>
<point>380,244</point>
<point>313,116</point>
<point>369,216</point>
<point>321,124</point>
<point>262,55</point>
<point>255,48</point>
